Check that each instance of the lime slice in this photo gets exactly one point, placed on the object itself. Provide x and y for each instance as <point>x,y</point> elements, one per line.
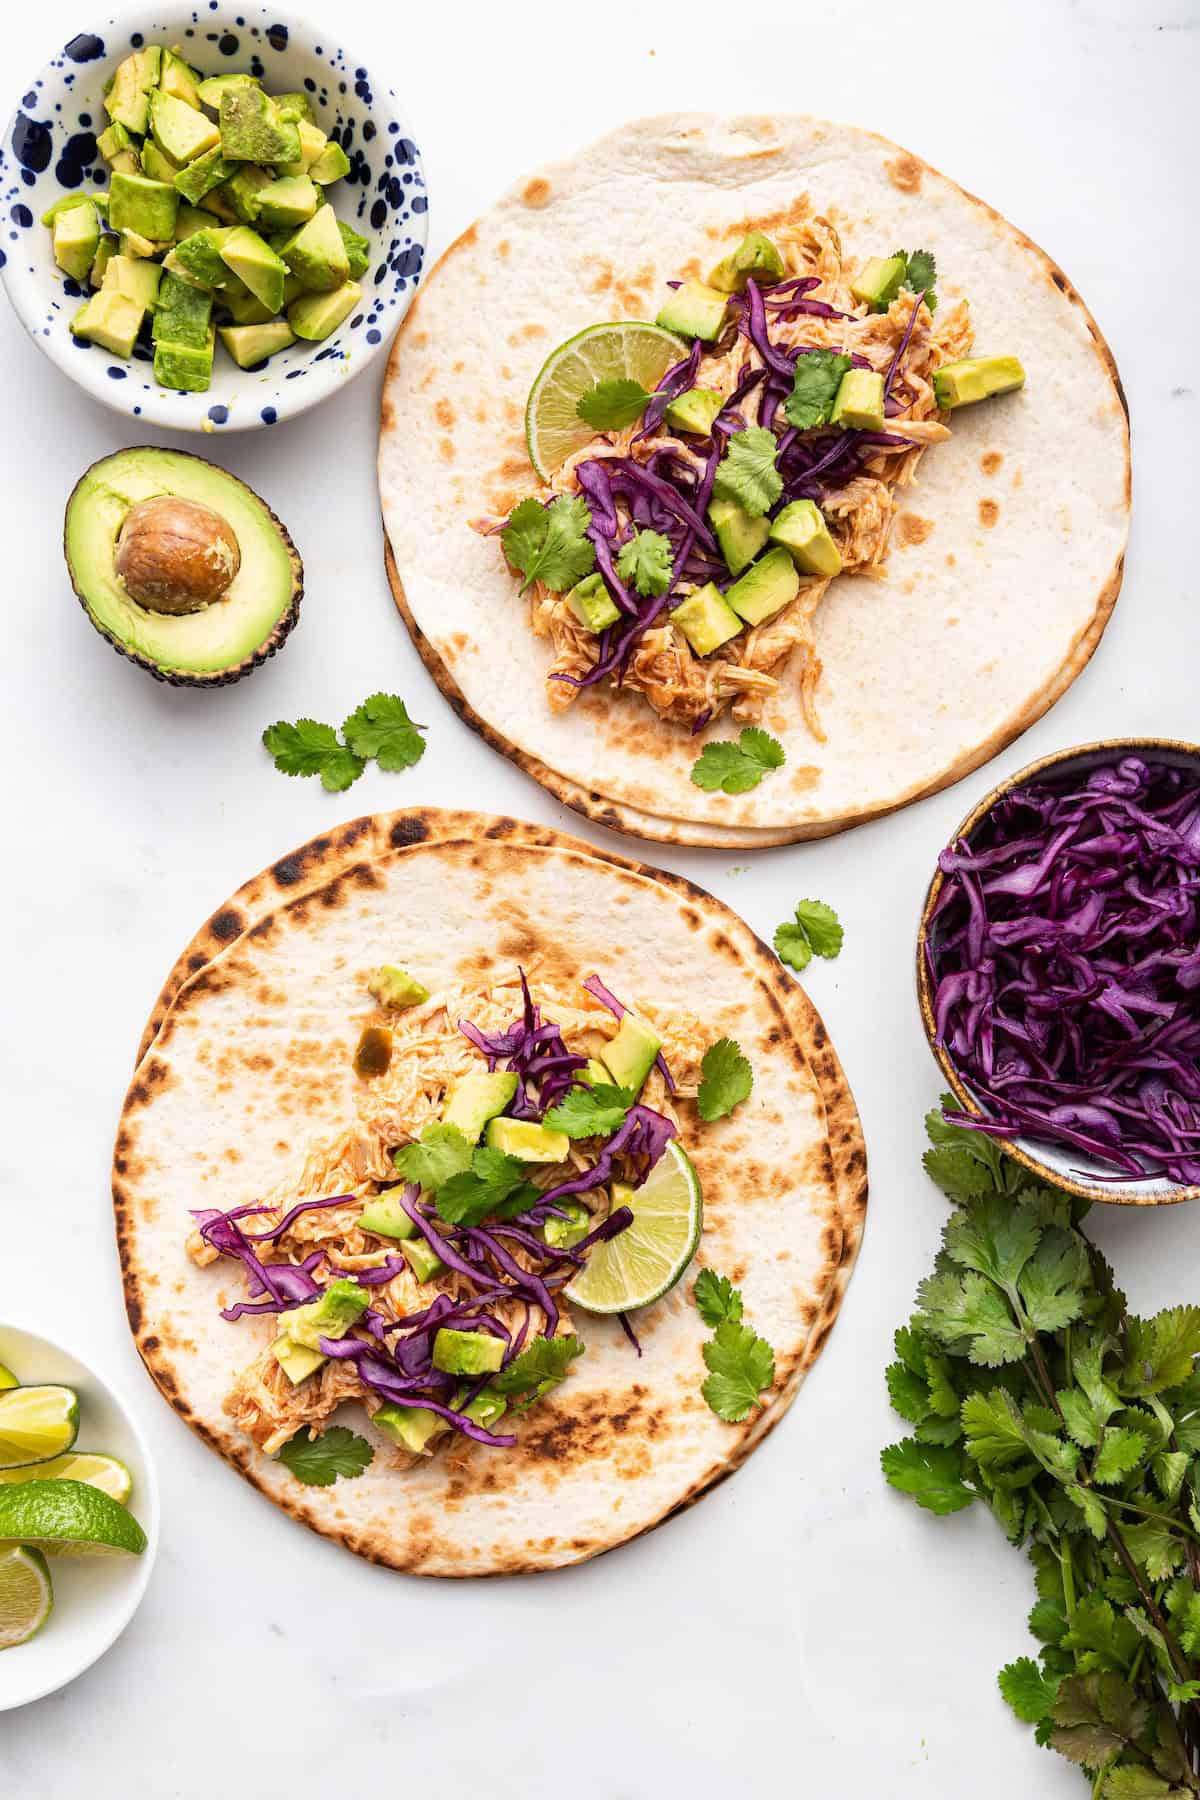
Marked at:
<point>35,1424</point>
<point>7,1378</point>
<point>649,1257</point>
<point>628,349</point>
<point>103,1472</point>
<point>26,1595</point>
<point>67,1518</point>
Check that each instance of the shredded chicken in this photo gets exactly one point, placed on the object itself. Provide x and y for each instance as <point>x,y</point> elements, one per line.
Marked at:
<point>689,690</point>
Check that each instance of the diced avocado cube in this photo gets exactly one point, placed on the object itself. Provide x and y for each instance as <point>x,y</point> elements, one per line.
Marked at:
<point>522,1138</point>
<point>187,367</point>
<point>766,587</point>
<point>595,1075</point>
<point>411,1427</point>
<point>331,1315</point>
<point>289,200</point>
<point>358,249</point>
<point>859,402</point>
<point>740,536</point>
<point>172,264</point>
<point>250,345</point>
<point>190,220</point>
<point>105,251</point>
<point>629,1057</point>
<point>67,201</point>
<point>243,188</point>
<point>134,244</point>
<point>217,202</point>
<point>316,252</point>
<point>695,311</point>
<point>293,287</point>
<point>297,1361</point>
<point>386,1217</point>
<point>801,528</point>
<point>694,411</point>
<point>395,987</point>
<point>181,132</point>
<point>179,79</point>
<point>563,1234</point>
<point>755,257</point>
<point>317,316</point>
<point>200,177</point>
<point>127,102</point>
<point>243,307</point>
<point>330,166</point>
<point>148,66</point>
<point>111,320</point>
<point>183,314</point>
<point>878,281</point>
<point>705,619</point>
<point>424,1262</point>
<point>209,91</point>
<point>76,240</point>
<point>157,166</point>
<point>298,104</point>
<point>148,207</point>
<point>592,603</point>
<point>252,130</point>
<point>312,148</point>
<point>485,1408</point>
<point>467,1352</point>
<point>137,277</point>
<point>114,139</point>
<point>126,162</point>
<point>254,260</point>
<point>975,378</point>
<point>474,1099</point>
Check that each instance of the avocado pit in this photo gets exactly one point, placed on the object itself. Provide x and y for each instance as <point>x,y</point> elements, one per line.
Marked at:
<point>176,556</point>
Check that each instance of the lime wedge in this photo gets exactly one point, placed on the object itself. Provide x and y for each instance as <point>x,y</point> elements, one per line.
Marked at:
<point>103,1472</point>
<point>629,349</point>
<point>7,1378</point>
<point>67,1518</point>
<point>26,1595</point>
<point>35,1424</point>
<point>649,1257</point>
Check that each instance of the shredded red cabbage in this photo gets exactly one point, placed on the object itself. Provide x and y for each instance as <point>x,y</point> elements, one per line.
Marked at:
<point>1065,970</point>
<point>534,1050</point>
<point>618,1009</point>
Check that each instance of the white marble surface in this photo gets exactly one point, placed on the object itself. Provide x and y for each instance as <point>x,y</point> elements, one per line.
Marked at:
<point>803,1630</point>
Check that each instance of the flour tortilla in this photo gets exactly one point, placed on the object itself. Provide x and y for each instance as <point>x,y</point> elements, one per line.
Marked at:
<point>623,1443</point>
<point>978,629</point>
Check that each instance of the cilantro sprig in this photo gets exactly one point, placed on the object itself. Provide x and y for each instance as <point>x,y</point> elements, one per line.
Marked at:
<point>318,1461</point>
<point>537,1368</point>
<point>645,562</point>
<point>587,1111</point>
<point>815,930</point>
<point>440,1153</point>
<point>747,472</point>
<point>469,1182</point>
<point>726,1079</point>
<point>1031,1389</point>
<point>735,768</point>
<point>612,405</point>
<point>741,1365</point>
<point>379,728</point>
<point>550,543</point>
<point>920,274</point>
<point>716,1298</point>
<point>814,388</point>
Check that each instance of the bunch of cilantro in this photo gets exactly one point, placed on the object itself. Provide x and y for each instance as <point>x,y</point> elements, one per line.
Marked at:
<point>1033,1390</point>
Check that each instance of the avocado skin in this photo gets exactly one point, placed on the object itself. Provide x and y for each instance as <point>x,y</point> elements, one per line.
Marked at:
<point>221,677</point>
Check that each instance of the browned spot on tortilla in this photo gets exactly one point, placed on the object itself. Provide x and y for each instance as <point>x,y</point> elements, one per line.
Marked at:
<point>905,172</point>
<point>443,412</point>
<point>603,280</point>
<point>794,213</point>
<point>691,269</point>
<point>468,237</point>
<point>504,248</point>
<point>912,528</point>
<point>990,461</point>
<point>428,379</point>
<point>989,512</point>
<point>506,373</point>
<point>806,775</point>
<point>525,333</point>
<point>951,559</point>
<point>459,366</point>
<point>459,641</point>
<point>446,450</point>
<point>536,192</point>
<point>387,416</point>
<point>1018,480</point>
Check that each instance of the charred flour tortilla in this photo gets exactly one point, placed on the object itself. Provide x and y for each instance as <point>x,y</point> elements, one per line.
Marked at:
<point>255,1055</point>
<point>1005,557</point>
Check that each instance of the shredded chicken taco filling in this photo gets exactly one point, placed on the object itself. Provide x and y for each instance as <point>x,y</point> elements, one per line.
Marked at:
<point>683,551</point>
<point>417,1262</point>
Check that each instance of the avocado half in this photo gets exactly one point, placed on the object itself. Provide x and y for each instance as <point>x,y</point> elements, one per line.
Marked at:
<point>222,641</point>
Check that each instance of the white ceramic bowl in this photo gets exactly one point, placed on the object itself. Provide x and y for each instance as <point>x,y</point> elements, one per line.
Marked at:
<point>49,148</point>
<point>94,1596</point>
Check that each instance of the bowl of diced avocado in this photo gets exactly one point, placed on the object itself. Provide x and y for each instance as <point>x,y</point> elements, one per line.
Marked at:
<point>218,216</point>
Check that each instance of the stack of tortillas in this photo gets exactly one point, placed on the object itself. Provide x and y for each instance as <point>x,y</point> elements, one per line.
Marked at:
<point>249,1056</point>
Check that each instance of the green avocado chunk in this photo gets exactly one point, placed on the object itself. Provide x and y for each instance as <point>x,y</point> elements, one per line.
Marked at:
<point>218,202</point>
<point>250,345</point>
<point>317,316</point>
<point>289,200</point>
<point>595,1075</point>
<point>629,1056</point>
<point>412,1428</point>
<point>329,166</point>
<point>181,131</point>
<point>975,378</point>
<point>467,1352</point>
<point>340,1306</point>
<point>312,148</point>
<point>183,314</point>
<point>249,256</point>
<point>705,619</point>
<point>740,536</point>
<point>358,249</point>
<point>385,1217</point>
<point>157,166</point>
<point>316,252</point>
<point>879,281</point>
<point>592,603</point>
<point>113,140</point>
<point>298,104</point>
<point>134,276</point>
<point>765,588</point>
<point>209,91</point>
<point>297,1361</point>
<point>424,1262</point>
<point>474,1099</point>
<point>200,254</point>
<point>801,528</point>
<point>243,307</point>
<point>148,207</point>
<point>107,248</point>
<point>203,175</point>
<point>859,402</point>
<point>564,1234</point>
<point>135,245</point>
<point>76,240</point>
<point>189,220</point>
<point>179,79</point>
<point>185,367</point>
<point>529,1142</point>
<point>127,101</point>
<point>694,411</point>
<point>252,129</point>
<point>695,311</point>
<point>243,188</point>
<point>395,987</point>
<point>111,320</point>
<point>755,257</point>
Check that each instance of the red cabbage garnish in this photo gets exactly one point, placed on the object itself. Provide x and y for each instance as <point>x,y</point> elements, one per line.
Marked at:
<point>618,1009</point>
<point>534,1050</point>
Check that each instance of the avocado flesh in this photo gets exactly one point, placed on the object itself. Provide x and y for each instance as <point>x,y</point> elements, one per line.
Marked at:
<point>185,367</point>
<point>358,249</point>
<point>329,166</point>
<point>424,1262</point>
<point>527,1141</point>
<point>147,207</point>
<point>251,257</point>
<point>180,131</point>
<point>695,311</point>
<point>740,536</point>
<point>410,1427</point>
<point>133,276</point>
<point>312,147</point>
<point>154,164</point>
<point>317,316</point>
<point>288,200</point>
<point>203,175</point>
<point>801,528</point>
<point>765,588</point>
<point>316,252</point>
<point>629,1057</point>
<point>386,1218</point>
<point>694,411</point>
<point>178,79</point>
<point>878,281</point>
<point>225,639</point>
<point>592,604</point>
<point>76,240</point>
<point>756,258</point>
<point>859,403</point>
<point>111,320</point>
<point>250,345</point>
<point>564,1234</point>
<point>467,1352</point>
<point>976,378</point>
<point>474,1099</point>
<point>705,620</point>
<point>297,1361</point>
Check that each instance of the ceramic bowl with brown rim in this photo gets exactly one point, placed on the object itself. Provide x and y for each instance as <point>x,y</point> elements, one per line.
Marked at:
<point>1062,1165</point>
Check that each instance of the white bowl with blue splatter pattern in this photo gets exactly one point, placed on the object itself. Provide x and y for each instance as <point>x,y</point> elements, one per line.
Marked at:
<point>49,149</point>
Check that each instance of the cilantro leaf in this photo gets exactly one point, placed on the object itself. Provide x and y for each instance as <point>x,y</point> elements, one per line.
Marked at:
<point>646,562</point>
<point>318,1461</point>
<point>494,1181</point>
<point>747,472</point>
<point>1161,1350</point>
<point>931,1473</point>
<point>716,1298</point>
<point>920,274</point>
<point>814,388</point>
<point>442,1152</point>
<point>612,405</point>
<point>539,1367</point>
<point>1028,1691</point>
<point>726,1079</point>
<point>816,929</point>
<point>959,1174</point>
<point>969,1308</point>
<point>1120,1452</point>
<point>736,768</point>
<point>1052,1285</point>
<point>381,728</point>
<point>307,748</point>
<point>550,543</point>
<point>742,1367</point>
<point>590,1111</point>
<point>792,945</point>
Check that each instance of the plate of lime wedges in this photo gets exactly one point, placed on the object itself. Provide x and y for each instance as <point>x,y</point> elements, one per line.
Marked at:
<point>78,1516</point>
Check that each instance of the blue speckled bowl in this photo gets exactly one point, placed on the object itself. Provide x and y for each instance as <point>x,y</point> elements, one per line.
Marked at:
<point>50,146</point>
